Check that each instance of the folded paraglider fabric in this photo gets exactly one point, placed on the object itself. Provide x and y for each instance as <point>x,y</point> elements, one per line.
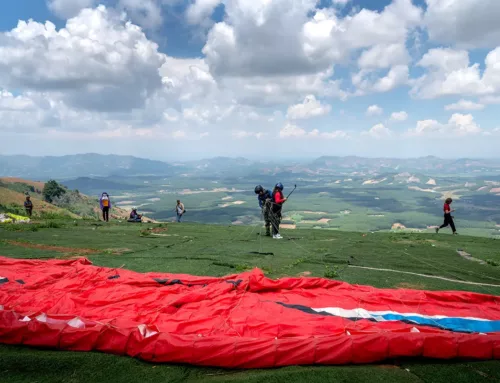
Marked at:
<point>238,321</point>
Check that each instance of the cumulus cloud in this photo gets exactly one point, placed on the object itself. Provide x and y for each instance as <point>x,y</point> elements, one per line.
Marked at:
<point>69,8</point>
<point>384,56</point>
<point>294,131</point>
<point>458,125</point>
<point>146,13</point>
<point>96,62</point>
<point>246,42</point>
<point>469,23</point>
<point>399,116</point>
<point>311,107</point>
<point>378,131</point>
<point>449,73</point>
<point>201,10</point>
<point>374,110</point>
<point>464,105</point>
<point>9,102</point>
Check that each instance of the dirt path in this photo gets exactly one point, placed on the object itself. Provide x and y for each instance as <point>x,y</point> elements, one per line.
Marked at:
<point>58,249</point>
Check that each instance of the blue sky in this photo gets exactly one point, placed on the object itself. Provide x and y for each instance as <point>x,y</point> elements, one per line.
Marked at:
<point>174,79</point>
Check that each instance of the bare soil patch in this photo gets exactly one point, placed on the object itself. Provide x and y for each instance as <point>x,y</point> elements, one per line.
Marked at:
<point>58,249</point>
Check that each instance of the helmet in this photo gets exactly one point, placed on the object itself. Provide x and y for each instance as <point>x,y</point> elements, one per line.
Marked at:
<point>134,208</point>
<point>259,189</point>
<point>279,186</point>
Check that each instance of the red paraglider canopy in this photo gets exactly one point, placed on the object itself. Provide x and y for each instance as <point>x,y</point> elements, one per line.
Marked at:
<point>242,321</point>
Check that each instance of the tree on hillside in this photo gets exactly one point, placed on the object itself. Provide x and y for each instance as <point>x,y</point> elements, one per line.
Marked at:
<point>52,190</point>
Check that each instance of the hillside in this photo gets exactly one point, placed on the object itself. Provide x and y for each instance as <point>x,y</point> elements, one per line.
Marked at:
<point>79,165</point>
<point>73,204</point>
<point>96,165</point>
<point>400,261</point>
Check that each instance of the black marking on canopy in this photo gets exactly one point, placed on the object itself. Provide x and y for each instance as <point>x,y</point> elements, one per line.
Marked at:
<point>114,277</point>
<point>235,283</point>
<point>3,280</point>
<point>20,281</point>
<point>259,253</point>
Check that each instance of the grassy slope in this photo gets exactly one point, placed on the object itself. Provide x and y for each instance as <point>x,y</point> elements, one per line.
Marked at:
<point>220,250</point>
<point>11,197</point>
<point>81,203</point>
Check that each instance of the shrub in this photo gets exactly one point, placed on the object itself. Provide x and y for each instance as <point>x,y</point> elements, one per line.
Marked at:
<point>52,190</point>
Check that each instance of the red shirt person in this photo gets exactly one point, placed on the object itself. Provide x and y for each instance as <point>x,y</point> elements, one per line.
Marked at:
<point>448,219</point>
<point>278,201</point>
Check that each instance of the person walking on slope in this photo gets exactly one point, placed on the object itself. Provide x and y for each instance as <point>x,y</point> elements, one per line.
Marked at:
<point>105,203</point>
<point>265,198</point>
<point>180,210</point>
<point>28,206</point>
<point>278,201</point>
<point>448,219</point>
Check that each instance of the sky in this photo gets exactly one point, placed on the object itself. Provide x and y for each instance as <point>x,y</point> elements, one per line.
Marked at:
<point>262,79</point>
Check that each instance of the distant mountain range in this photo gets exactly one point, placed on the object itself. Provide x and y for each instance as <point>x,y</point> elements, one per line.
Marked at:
<point>96,165</point>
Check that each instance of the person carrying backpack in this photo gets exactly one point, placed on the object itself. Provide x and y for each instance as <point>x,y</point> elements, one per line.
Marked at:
<point>265,198</point>
<point>277,206</point>
<point>105,203</point>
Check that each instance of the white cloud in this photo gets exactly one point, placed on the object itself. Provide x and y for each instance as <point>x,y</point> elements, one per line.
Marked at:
<point>378,131</point>
<point>307,109</point>
<point>458,125</point>
<point>449,73</point>
<point>98,62</point>
<point>146,13</point>
<point>200,10</point>
<point>469,23</point>
<point>69,8</point>
<point>374,110</point>
<point>399,116</point>
<point>246,43</point>
<point>464,105</point>
<point>384,56</point>
<point>341,3</point>
<point>490,100</point>
<point>9,102</point>
<point>294,131</point>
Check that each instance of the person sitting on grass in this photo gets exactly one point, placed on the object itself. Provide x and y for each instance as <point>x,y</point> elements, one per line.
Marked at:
<point>134,216</point>
<point>448,219</point>
<point>28,206</point>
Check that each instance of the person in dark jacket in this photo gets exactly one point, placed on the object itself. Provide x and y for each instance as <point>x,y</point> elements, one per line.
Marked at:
<point>265,198</point>
<point>278,201</point>
<point>28,206</point>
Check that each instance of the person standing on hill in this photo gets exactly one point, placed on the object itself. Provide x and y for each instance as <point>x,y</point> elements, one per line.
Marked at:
<point>180,210</point>
<point>28,206</point>
<point>448,219</point>
<point>278,201</point>
<point>105,203</point>
<point>265,198</point>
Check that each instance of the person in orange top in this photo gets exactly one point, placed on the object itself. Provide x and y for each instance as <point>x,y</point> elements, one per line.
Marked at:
<point>105,203</point>
<point>448,219</point>
<point>278,201</point>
